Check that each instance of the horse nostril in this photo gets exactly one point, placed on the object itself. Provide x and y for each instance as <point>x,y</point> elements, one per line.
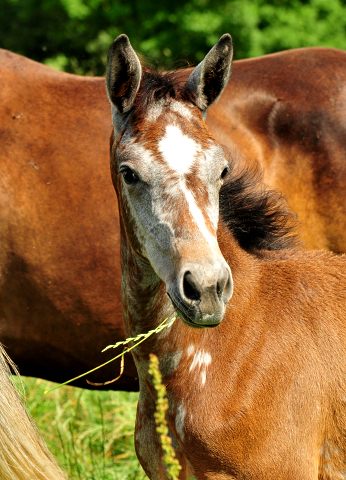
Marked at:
<point>191,290</point>
<point>219,289</point>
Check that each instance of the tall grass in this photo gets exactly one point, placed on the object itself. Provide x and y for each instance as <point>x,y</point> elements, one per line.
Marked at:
<point>89,432</point>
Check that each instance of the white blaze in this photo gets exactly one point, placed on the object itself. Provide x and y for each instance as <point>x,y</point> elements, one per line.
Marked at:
<point>199,219</point>
<point>180,152</point>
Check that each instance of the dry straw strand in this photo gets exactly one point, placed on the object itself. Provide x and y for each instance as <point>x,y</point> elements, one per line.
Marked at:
<point>166,323</point>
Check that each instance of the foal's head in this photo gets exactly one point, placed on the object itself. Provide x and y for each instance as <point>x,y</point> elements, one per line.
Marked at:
<point>168,170</point>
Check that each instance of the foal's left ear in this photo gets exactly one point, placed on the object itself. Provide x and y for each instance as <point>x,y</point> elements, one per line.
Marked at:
<point>123,77</point>
<point>210,77</point>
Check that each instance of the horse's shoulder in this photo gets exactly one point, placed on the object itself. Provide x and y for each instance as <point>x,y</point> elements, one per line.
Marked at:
<point>313,258</point>
<point>307,264</point>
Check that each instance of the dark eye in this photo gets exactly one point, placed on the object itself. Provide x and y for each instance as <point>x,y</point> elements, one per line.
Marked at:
<point>129,176</point>
<point>224,172</point>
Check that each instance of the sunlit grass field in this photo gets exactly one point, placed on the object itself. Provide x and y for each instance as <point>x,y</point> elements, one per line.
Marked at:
<point>89,432</point>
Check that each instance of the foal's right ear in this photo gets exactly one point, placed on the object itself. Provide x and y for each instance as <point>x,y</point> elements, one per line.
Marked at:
<point>123,76</point>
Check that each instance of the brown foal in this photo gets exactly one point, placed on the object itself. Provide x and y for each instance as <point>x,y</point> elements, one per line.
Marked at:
<point>255,365</point>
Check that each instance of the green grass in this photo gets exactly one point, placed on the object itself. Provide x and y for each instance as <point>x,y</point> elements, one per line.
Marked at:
<point>89,432</point>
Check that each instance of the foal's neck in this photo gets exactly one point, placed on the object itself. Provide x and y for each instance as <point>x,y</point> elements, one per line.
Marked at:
<point>144,298</point>
<point>146,303</point>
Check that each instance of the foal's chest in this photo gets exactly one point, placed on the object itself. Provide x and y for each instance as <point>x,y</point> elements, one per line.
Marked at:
<point>222,433</point>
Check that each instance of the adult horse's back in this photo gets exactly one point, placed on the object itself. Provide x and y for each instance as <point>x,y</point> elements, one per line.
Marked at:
<point>59,232</point>
<point>288,111</point>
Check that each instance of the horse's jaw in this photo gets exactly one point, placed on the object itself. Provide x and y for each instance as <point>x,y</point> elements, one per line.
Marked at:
<point>207,321</point>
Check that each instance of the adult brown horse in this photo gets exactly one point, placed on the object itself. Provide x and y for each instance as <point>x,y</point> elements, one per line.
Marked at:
<point>262,395</point>
<point>59,231</point>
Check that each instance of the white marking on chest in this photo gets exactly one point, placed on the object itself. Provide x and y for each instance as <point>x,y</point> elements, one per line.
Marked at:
<point>201,358</point>
<point>190,349</point>
<point>178,150</point>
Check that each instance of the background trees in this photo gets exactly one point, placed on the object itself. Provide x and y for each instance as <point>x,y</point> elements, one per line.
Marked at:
<point>74,35</point>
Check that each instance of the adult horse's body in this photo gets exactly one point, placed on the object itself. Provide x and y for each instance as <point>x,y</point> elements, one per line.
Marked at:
<point>288,111</point>
<point>59,232</point>
<point>23,454</point>
<point>262,395</point>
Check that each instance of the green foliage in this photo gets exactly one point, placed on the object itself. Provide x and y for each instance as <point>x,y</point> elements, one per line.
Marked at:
<point>169,459</point>
<point>75,35</point>
<point>313,23</point>
<point>89,432</point>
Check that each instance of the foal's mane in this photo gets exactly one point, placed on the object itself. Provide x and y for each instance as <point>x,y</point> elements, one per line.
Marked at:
<point>257,217</point>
